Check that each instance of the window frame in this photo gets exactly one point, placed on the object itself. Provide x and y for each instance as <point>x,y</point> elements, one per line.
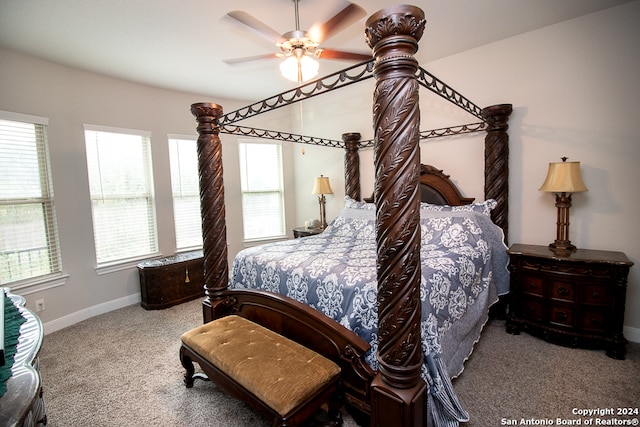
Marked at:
<point>280,191</point>
<point>129,260</point>
<point>177,139</point>
<point>55,276</point>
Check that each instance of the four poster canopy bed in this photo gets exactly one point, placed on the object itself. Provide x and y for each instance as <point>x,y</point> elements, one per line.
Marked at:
<point>397,289</point>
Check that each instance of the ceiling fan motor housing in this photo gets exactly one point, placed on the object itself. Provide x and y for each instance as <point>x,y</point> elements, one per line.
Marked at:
<point>297,42</point>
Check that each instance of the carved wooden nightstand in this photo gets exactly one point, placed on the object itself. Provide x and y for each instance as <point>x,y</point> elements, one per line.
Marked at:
<point>575,301</point>
<point>304,231</point>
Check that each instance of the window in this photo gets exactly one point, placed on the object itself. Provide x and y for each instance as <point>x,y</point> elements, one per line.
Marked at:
<point>262,190</point>
<point>120,184</point>
<point>185,185</point>
<point>28,233</point>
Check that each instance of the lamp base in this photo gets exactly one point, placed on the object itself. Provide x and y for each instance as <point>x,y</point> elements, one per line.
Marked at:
<point>323,212</point>
<point>562,248</point>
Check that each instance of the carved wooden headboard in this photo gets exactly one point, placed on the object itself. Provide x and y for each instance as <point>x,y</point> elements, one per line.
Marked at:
<point>436,188</point>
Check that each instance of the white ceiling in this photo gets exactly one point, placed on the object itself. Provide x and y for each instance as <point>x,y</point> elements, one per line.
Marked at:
<point>181,44</point>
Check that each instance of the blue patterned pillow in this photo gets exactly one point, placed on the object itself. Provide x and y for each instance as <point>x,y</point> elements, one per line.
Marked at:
<point>354,204</point>
<point>359,210</point>
<point>482,207</point>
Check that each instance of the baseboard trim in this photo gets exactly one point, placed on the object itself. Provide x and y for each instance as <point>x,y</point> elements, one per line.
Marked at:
<point>84,314</point>
<point>631,334</point>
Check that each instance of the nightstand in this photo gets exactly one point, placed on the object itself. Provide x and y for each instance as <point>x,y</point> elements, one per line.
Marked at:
<point>575,301</point>
<point>304,231</point>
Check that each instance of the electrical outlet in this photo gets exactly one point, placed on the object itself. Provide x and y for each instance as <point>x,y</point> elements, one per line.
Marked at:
<point>39,305</point>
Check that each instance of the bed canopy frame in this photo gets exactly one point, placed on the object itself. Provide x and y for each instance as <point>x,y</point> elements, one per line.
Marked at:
<point>397,392</point>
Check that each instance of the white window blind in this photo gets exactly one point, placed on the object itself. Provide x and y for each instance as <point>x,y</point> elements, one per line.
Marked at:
<point>28,231</point>
<point>183,157</point>
<point>262,190</point>
<point>121,188</point>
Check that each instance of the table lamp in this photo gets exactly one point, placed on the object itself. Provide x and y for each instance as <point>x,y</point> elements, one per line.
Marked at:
<point>563,179</point>
<point>322,187</point>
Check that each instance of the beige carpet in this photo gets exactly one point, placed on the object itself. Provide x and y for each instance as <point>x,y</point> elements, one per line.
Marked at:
<point>519,376</point>
<point>122,369</point>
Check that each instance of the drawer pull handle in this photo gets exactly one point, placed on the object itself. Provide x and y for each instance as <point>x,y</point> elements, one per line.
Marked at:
<point>563,291</point>
<point>595,294</point>
<point>186,279</point>
<point>561,315</point>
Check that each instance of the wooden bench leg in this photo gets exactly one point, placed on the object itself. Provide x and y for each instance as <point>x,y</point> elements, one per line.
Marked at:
<point>190,376</point>
<point>335,416</point>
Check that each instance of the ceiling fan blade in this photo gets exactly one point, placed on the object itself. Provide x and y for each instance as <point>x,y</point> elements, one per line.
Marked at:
<point>346,16</point>
<point>349,56</point>
<point>235,61</point>
<point>257,26</point>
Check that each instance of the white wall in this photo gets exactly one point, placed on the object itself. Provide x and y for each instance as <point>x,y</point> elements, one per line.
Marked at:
<point>70,98</point>
<point>574,90</point>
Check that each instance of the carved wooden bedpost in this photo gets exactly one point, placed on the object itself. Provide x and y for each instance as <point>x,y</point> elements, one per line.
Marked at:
<point>214,228</point>
<point>351,165</point>
<point>398,392</point>
<point>496,163</point>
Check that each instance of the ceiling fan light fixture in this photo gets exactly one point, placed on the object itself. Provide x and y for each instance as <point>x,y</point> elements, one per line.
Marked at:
<point>299,69</point>
<point>302,48</point>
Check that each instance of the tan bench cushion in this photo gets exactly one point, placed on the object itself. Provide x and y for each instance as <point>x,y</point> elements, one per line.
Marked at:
<point>280,372</point>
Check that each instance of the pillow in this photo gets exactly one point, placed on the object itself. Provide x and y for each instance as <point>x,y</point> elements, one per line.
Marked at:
<point>350,203</point>
<point>482,207</point>
<point>352,206</point>
<point>354,209</point>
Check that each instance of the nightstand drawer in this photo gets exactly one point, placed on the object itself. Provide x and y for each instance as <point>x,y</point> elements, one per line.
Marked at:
<point>563,291</point>
<point>561,315</point>
<point>532,309</point>
<point>532,285</point>
<point>595,294</point>
<point>594,321</point>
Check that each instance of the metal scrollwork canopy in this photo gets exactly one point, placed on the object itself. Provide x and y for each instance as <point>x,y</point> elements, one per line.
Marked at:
<point>354,74</point>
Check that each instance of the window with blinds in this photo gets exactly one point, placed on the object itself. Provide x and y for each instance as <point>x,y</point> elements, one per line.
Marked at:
<point>121,188</point>
<point>262,190</point>
<point>29,246</point>
<point>185,186</point>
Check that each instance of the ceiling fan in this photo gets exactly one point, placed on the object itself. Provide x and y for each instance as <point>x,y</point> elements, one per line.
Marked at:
<point>300,48</point>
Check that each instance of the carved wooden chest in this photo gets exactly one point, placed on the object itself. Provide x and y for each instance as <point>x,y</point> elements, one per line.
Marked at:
<point>171,280</point>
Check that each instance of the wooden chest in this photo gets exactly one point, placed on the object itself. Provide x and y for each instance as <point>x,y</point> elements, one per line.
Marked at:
<point>171,280</point>
<point>577,301</point>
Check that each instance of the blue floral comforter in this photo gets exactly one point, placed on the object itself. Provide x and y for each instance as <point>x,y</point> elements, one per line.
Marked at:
<point>464,269</point>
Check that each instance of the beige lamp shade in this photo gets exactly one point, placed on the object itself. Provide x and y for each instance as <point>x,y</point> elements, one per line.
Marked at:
<point>322,186</point>
<point>563,177</point>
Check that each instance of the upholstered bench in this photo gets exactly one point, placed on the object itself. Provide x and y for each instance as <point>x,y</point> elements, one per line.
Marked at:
<point>279,378</point>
